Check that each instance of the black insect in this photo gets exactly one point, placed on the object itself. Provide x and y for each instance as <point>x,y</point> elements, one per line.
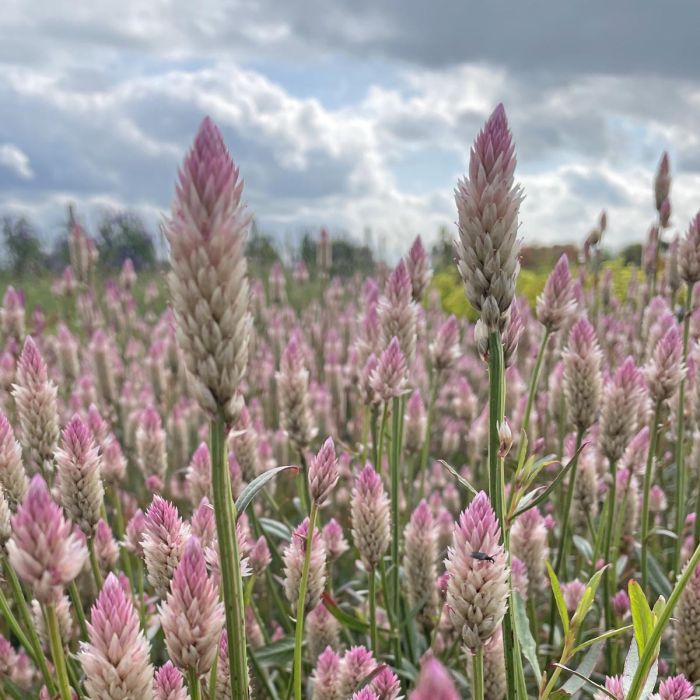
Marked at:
<point>483,557</point>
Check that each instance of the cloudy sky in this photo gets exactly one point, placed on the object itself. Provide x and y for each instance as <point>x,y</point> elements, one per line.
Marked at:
<point>351,114</point>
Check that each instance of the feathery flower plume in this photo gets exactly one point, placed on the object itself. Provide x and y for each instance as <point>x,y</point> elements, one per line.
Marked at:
<point>689,253</point>
<point>37,412</point>
<point>326,676</point>
<point>134,533</point>
<point>296,417</point>
<point>259,556</point>
<point>418,267</point>
<point>202,523</point>
<point>12,315</point>
<point>398,312</point>
<point>116,658</point>
<point>371,521</point>
<point>665,370</point>
<point>358,662</point>
<point>321,632</point>
<point>151,454</point>
<point>415,423</point>
<point>79,468</point>
<point>386,685</point>
<point>365,693</point>
<point>488,201</point>
<point>420,564</point>
<point>444,350</point>
<point>687,629</point>
<point>67,353</point>
<point>556,302</point>
<point>662,182</point>
<point>13,478</point>
<point>243,442</point>
<point>434,682</point>
<point>163,542</point>
<point>528,542</point>
<point>336,544</point>
<point>614,686</point>
<point>676,688</point>
<point>620,409</point>
<point>224,691</point>
<point>293,557</point>
<point>323,473</point>
<point>168,684</point>
<point>192,616</point>
<point>106,548</point>
<point>208,284</point>
<point>582,378</point>
<point>477,591</point>
<point>43,550</point>
<point>389,378</point>
<point>198,475</point>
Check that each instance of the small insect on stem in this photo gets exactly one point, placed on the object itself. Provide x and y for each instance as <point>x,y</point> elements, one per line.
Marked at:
<point>483,557</point>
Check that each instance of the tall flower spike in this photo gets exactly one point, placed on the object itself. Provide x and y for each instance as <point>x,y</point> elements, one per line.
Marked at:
<point>444,350</point>
<point>293,558</point>
<point>386,684</point>
<point>434,683</point>
<point>163,542</point>
<point>208,285</point>
<point>198,474</point>
<point>488,202</point>
<point>192,616</point>
<point>415,423</point>
<point>79,467</point>
<point>37,412</point>
<point>398,312</point>
<point>321,632</point>
<point>418,266</point>
<point>676,688</point>
<point>371,522</point>
<point>243,442</point>
<point>13,478</point>
<point>168,683</point>
<point>689,253</point>
<point>582,377</point>
<point>151,453</point>
<point>665,371</point>
<point>420,564</point>
<point>477,590</point>
<point>326,676</point>
<point>528,542</point>
<point>323,473</point>
<point>43,550</point>
<point>116,658</point>
<point>389,378</point>
<point>356,665</point>
<point>556,303</point>
<point>662,182</point>
<point>296,418</point>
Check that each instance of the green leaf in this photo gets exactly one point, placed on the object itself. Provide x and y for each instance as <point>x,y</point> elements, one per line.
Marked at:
<point>583,672</point>
<point>631,668</point>
<point>275,528</point>
<point>250,491</point>
<point>583,546</point>
<point>642,619</point>
<point>587,598</point>
<point>657,579</point>
<point>524,635</point>
<point>279,652</point>
<point>345,619</point>
<point>458,476</point>
<point>600,638</point>
<point>558,597</point>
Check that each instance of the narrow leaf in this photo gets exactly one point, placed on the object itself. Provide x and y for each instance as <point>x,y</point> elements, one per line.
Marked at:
<point>346,619</point>
<point>642,619</point>
<point>250,491</point>
<point>458,476</point>
<point>558,597</point>
<point>527,642</point>
<point>275,528</point>
<point>582,674</point>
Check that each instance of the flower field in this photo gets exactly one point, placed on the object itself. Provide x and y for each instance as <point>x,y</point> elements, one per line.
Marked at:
<point>371,487</point>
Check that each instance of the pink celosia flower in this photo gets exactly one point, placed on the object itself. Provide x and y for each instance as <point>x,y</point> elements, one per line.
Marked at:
<point>79,468</point>
<point>192,616</point>
<point>386,684</point>
<point>358,662</point>
<point>323,473</point>
<point>620,603</point>
<point>334,539</point>
<point>134,533</point>
<point>665,370</point>
<point>444,350</point>
<point>321,630</point>
<point>326,676</point>
<point>259,556</point>
<point>371,521</point>
<point>418,267</point>
<point>676,688</point>
<point>477,590</point>
<point>208,284</point>
<point>556,303</point>
<point>151,452</point>
<point>398,313</point>
<point>116,658</point>
<point>13,478</point>
<point>105,547</point>
<point>198,474</point>
<point>389,377</point>
<point>573,592</point>
<point>293,557</point>
<point>434,682</point>
<point>614,685</point>
<point>687,629</point>
<point>487,204</point>
<point>203,523</point>
<point>43,550</point>
<point>415,423</point>
<point>529,543</point>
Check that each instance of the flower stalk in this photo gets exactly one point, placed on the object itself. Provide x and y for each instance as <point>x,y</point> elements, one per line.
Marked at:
<point>56,646</point>
<point>648,472</point>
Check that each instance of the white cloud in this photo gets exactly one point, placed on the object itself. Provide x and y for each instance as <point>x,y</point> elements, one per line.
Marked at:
<point>15,160</point>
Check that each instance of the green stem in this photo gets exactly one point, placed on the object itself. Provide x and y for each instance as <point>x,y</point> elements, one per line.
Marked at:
<point>14,626</point>
<point>565,539</point>
<point>79,611</point>
<point>303,483</point>
<point>232,584</point>
<point>28,623</point>
<point>56,646</point>
<point>195,685</point>
<point>372,593</point>
<point>497,489</point>
<point>394,458</point>
<point>478,674</point>
<point>610,575</point>
<point>423,464</point>
<point>534,381</point>
<point>680,441</point>
<point>301,603</point>
<point>647,489</point>
<point>380,440</point>
<point>94,564</point>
